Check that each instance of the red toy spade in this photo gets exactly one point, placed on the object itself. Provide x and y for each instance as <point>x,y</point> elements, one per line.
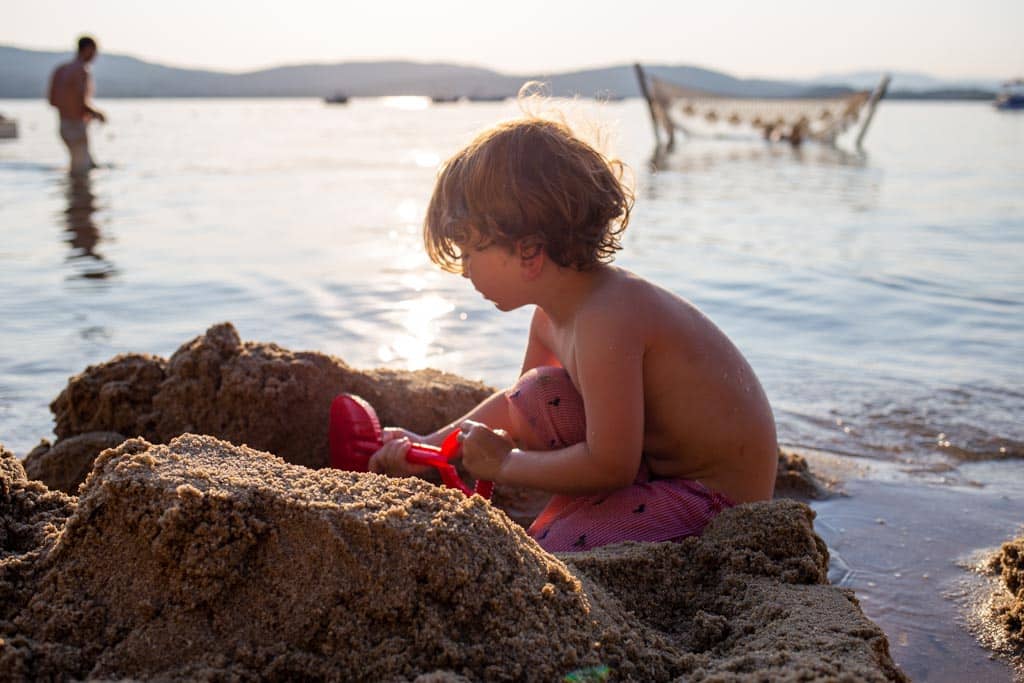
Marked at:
<point>355,435</point>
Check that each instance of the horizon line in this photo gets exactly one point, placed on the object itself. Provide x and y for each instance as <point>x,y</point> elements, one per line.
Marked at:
<point>409,60</point>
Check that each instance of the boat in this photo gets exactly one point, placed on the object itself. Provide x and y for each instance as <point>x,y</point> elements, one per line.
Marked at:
<point>487,98</point>
<point>445,99</point>
<point>702,113</point>
<point>337,98</point>
<point>1011,95</point>
<point>8,127</point>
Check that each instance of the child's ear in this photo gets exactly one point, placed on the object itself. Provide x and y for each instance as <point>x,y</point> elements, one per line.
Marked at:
<point>531,258</point>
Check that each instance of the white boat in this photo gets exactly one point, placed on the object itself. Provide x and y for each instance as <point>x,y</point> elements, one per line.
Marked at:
<point>8,127</point>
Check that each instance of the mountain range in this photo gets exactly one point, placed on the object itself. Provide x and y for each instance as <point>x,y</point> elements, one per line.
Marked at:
<point>24,74</point>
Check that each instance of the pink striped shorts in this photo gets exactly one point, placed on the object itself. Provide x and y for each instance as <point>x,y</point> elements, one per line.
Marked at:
<point>650,509</point>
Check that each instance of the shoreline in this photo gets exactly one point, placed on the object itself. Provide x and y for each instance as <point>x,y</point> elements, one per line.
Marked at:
<point>921,561</point>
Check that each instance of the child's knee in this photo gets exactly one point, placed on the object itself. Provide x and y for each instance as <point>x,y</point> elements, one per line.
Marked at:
<point>546,410</point>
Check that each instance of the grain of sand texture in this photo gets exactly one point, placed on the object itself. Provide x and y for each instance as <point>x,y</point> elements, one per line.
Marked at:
<point>202,560</point>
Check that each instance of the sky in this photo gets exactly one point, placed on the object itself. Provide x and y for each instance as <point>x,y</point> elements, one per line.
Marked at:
<point>775,39</point>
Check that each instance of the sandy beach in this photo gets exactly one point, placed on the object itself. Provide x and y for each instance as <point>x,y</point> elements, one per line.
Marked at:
<point>185,556</point>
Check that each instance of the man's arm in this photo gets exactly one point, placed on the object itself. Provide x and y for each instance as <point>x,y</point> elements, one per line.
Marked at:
<point>87,88</point>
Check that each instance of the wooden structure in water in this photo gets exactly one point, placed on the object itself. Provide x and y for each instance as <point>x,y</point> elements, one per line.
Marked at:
<point>794,120</point>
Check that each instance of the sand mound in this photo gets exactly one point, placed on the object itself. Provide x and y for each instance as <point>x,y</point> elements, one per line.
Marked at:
<point>247,393</point>
<point>31,517</point>
<point>199,559</point>
<point>272,399</point>
<point>63,466</point>
<point>1008,608</point>
<point>794,479</point>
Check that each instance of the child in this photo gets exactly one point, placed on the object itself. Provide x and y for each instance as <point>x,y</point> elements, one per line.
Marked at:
<point>633,409</point>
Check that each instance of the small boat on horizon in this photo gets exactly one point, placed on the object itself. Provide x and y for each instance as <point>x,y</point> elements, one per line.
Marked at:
<point>337,98</point>
<point>1011,95</point>
<point>8,127</point>
<point>487,98</point>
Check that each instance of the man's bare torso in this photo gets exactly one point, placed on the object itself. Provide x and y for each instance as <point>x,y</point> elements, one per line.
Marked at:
<point>70,87</point>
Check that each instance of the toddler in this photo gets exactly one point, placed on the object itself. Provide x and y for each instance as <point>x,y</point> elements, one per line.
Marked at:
<point>633,409</point>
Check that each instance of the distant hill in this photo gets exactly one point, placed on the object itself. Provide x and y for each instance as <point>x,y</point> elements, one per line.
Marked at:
<point>907,81</point>
<point>24,74</point>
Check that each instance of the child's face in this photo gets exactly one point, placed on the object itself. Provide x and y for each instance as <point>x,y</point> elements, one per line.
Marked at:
<point>495,273</point>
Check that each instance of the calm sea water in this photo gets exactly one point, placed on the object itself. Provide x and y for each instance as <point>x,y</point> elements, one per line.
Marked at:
<point>880,298</point>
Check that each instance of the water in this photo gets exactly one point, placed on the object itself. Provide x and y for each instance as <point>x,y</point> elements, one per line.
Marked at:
<point>880,298</point>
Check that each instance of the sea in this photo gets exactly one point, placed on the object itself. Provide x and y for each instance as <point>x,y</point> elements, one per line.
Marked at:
<point>877,293</point>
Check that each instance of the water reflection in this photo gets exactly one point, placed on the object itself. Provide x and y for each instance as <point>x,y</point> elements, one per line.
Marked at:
<point>719,169</point>
<point>698,155</point>
<point>81,230</point>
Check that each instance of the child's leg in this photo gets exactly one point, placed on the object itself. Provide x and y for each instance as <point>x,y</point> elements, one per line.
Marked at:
<point>650,510</point>
<point>545,410</point>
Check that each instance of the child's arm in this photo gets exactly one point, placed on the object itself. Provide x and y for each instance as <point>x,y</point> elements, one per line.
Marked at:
<point>609,359</point>
<point>493,411</point>
<point>538,348</point>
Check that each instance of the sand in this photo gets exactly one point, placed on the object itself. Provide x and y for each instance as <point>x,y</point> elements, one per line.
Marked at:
<point>190,557</point>
<point>1001,627</point>
<point>250,393</point>
<point>272,399</point>
<point>794,479</point>
<point>201,559</point>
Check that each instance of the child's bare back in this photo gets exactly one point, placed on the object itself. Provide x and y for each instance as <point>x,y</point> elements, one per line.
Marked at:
<point>705,415</point>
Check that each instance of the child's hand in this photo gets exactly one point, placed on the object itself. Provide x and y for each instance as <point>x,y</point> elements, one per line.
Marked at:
<point>390,458</point>
<point>484,449</point>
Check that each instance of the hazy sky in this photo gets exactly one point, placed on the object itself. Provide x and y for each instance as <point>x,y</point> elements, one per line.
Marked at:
<point>776,38</point>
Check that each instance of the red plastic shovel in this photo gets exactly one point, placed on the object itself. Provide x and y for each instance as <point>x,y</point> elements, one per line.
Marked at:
<point>355,435</point>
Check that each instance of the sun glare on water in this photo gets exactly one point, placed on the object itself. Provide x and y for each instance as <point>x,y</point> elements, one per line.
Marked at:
<point>418,330</point>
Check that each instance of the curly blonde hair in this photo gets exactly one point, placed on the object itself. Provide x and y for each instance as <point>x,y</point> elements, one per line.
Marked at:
<point>530,182</point>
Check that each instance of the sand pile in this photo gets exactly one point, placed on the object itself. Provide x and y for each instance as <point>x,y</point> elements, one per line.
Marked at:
<point>199,559</point>
<point>794,479</point>
<point>272,399</point>
<point>31,518</point>
<point>1008,608</point>
<point>249,393</point>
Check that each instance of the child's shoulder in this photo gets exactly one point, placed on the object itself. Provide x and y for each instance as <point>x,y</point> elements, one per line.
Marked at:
<point>637,307</point>
<point>630,294</point>
<point>622,298</point>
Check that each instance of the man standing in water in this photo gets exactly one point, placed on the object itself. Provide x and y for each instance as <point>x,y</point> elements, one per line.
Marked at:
<point>70,91</point>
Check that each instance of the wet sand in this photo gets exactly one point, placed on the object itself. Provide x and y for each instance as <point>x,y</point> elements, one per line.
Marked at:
<point>998,616</point>
<point>1008,565</point>
<point>200,559</point>
<point>256,394</point>
<point>192,557</point>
